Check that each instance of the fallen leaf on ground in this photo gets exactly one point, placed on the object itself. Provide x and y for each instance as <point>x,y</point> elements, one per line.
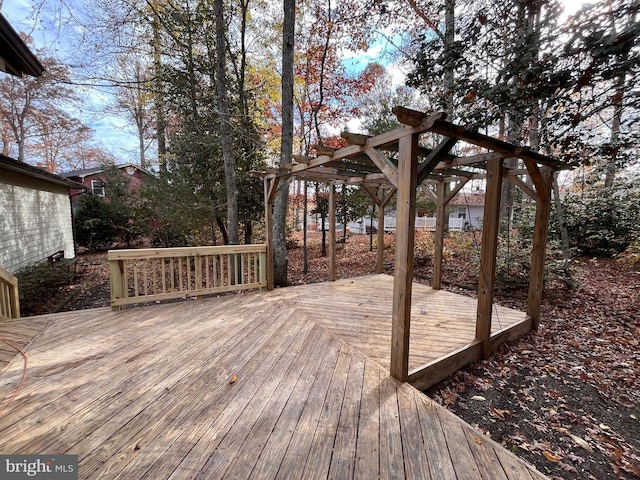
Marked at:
<point>550,456</point>
<point>581,442</point>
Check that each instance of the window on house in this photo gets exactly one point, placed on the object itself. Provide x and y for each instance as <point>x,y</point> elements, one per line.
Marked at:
<point>97,187</point>
<point>462,212</point>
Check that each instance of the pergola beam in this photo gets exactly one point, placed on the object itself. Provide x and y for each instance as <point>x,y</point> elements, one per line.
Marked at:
<point>384,164</point>
<point>431,162</point>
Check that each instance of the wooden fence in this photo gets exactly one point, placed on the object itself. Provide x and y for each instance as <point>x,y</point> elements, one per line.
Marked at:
<point>152,274</point>
<point>9,300</point>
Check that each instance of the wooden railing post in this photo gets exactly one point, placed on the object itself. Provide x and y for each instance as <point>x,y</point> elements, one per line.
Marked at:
<point>263,267</point>
<point>117,279</point>
<point>9,297</point>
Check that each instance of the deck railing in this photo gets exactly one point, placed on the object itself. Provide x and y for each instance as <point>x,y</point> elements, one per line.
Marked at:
<point>144,275</point>
<point>9,300</point>
<point>425,223</point>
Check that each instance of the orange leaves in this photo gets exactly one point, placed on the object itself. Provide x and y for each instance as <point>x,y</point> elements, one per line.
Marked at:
<point>550,456</point>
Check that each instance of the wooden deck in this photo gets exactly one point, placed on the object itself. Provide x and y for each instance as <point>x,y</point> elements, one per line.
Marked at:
<point>244,386</point>
<point>442,323</point>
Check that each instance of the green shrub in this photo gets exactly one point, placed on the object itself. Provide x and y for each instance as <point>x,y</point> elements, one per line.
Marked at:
<point>603,221</point>
<point>93,223</point>
<point>38,280</point>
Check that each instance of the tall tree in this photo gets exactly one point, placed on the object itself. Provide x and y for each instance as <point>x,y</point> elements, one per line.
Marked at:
<point>281,260</point>
<point>135,97</point>
<point>225,125</point>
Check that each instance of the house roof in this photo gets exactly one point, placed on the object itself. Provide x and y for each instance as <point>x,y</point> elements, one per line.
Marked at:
<point>11,164</point>
<point>15,56</point>
<point>85,172</point>
<point>465,199</point>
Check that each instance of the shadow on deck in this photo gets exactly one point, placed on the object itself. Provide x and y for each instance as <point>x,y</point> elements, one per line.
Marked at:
<point>286,384</point>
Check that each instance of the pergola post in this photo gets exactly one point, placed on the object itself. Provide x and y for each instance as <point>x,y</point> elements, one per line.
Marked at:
<point>543,182</point>
<point>405,239</point>
<point>332,232</point>
<point>269,194</point>
<point>381,199</point>
<point>380,239</point>
<point>441,225</point>
<point>490,224</point>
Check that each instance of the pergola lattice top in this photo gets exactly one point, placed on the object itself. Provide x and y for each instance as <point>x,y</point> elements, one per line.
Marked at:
<point>365,160</point>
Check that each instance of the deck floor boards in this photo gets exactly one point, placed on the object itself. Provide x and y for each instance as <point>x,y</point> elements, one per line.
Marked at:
<point>268,385</point>
<point>359,310</point>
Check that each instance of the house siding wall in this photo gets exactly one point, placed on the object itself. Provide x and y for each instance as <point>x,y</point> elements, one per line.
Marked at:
<point>476,214</point>
<point>36,221</point>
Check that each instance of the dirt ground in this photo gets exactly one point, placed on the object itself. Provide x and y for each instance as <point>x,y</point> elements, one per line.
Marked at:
<point>565,398</point>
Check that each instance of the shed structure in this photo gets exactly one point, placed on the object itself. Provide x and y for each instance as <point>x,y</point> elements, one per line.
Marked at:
<point>396,163</point>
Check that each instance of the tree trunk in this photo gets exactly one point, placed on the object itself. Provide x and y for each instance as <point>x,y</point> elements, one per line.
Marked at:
<point>280,258</point>
<point>449,40</point>
<point>562,224</point>
<point>611,167</point>
<point>225,127</point>
<point>223,230</point>
<point>618,97</point>
<point>248,232</point>
<point>159,99</point>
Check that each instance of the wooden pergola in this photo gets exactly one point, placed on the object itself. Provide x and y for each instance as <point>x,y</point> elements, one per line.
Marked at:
<point>396,163</point>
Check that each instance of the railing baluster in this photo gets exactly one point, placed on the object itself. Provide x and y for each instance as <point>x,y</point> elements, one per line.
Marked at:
<point>145,271</point>
<point>135,279</point>
<point>154,267</point>
<point>163,272</point>
<point>173,275</point>
<point>215,271</point>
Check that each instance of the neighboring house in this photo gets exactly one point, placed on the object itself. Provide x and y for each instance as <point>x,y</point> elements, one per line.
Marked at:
<point>468,207</point>
<point>94,179</point>
<point>35,215</point>
<point>466,211</point>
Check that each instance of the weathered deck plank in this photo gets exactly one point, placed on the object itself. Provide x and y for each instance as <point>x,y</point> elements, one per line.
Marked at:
<point>18,332</point>
<point>258,385</point>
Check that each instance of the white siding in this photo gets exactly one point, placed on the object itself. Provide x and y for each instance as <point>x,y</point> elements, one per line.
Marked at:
<point>34,225</point>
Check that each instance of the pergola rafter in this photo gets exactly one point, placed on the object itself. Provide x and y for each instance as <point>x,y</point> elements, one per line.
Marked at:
<point>395,163</point>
